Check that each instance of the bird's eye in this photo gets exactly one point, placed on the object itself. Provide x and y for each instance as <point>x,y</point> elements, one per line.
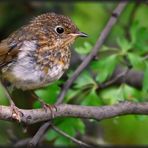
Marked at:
<point>59,29</point>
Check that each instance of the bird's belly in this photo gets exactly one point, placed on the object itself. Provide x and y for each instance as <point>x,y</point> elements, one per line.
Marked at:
<point>27,79</point>
<point>27,76</point>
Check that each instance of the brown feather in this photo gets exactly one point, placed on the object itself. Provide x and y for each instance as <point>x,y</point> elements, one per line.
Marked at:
<point>7,53</point>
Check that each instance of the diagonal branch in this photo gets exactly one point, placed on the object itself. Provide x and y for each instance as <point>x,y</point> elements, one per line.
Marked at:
<point>113,19</point>
<point>40,133</point>
<point>133,78</point>
<point>113,80</point>
<point>69,137</point>
<point>64,110</point>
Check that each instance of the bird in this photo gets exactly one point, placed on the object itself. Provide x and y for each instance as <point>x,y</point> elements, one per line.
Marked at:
<point>37,54</point>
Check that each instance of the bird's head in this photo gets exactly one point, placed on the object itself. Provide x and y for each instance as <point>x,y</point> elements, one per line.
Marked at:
<point>61,30</point>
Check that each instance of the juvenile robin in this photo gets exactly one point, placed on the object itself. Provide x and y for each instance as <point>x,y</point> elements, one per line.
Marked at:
<point>38,53</point>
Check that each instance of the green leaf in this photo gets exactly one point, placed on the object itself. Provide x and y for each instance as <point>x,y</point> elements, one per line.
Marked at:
<point>50,135</point>
<point>136,61</point>
<point>84,50</point>
<point>3,97</point>
<point>112,95</point>
<point>131,93</point>
<point>49,94</point>
<point>142,40</point>
<point>63,141</point>
<point>72,93</point>
<point>71,126</point>
<point>91,99</point>
<point>83,80</point>
<point>133,31</point>
<point>124,44</point>
<point>104,67</point>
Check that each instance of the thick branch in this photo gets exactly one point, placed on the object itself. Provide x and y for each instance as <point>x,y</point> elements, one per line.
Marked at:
<point>65,110</point>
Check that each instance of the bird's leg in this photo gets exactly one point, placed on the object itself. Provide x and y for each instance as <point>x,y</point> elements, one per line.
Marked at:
<point>15,111</point>
<point>44,105</point>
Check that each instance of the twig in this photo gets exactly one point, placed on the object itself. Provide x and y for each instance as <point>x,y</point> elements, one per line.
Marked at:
<point>70,137</point>
<point>133,78</point>
<point>113,80</point>
<point>22,143</point>
<point>40,133</point>
<point>95,49</point>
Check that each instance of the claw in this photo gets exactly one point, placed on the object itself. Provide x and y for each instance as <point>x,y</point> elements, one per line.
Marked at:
<point>16,114</point>
<point>50,107</point>
<point>44,105</point>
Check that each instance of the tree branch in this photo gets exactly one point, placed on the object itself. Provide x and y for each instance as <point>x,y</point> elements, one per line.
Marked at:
<point>132,78</point>
<point>114,79</point>
<point>71,138</point>
<point>64,110</point>
<point>113,19</point>
<point>40,133</point>
<point>21,143</point>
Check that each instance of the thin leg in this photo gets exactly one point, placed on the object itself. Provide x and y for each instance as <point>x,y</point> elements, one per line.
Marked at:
<point>15,110</point>
<point>44,105</point>
<point>38,98</point>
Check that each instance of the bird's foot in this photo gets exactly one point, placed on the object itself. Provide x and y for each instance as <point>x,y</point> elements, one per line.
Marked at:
<point>16,113</point>
<point>47,107</point>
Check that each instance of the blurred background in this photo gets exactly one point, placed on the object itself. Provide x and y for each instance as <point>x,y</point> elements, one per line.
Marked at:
<point>125,48</point>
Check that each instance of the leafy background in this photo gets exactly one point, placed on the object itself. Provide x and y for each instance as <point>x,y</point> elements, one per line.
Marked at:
<point>126,46</point>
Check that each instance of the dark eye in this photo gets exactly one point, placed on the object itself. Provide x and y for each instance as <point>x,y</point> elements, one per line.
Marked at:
<point>59,29</point>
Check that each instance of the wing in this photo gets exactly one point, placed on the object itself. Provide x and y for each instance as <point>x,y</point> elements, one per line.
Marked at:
<point>7,52</point>
<point>9,47</point>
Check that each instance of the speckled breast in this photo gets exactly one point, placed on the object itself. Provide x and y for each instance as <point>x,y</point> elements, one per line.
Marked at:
<point>32,70</point>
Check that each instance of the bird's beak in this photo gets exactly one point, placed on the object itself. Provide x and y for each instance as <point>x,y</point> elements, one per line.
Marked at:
<point>79,34</point>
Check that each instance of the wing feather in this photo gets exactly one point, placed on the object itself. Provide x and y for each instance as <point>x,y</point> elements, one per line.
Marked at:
<point>7,52</point>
